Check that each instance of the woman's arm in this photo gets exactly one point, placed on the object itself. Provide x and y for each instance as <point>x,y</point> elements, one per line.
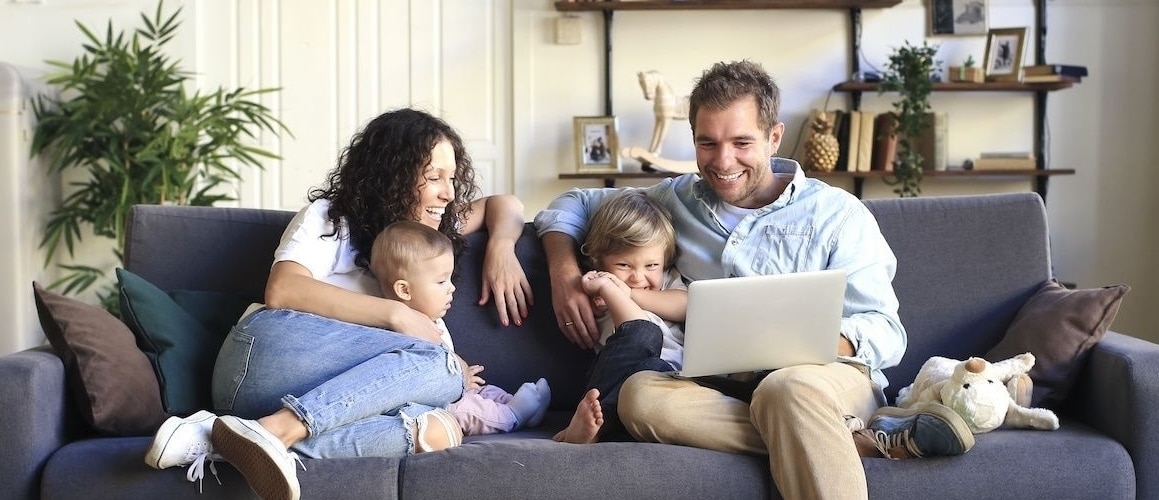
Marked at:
<point>291,286</point>
<point>503,276</point>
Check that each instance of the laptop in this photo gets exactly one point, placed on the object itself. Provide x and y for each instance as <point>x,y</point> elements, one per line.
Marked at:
<point>757,323</point>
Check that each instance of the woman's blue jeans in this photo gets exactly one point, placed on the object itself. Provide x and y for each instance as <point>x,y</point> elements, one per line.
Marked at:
<point>358,389</point>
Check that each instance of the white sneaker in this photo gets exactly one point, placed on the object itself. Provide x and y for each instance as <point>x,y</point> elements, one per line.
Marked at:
<point>259,456</point>
<point>181,441</point>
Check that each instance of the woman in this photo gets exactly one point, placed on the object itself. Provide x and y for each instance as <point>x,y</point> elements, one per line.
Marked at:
<point>320,366</point>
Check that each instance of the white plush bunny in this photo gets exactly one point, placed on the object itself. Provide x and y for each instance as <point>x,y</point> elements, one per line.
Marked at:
<point>986,395</point>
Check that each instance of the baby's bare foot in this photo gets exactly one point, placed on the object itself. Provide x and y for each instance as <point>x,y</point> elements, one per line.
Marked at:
<point>586,422</point>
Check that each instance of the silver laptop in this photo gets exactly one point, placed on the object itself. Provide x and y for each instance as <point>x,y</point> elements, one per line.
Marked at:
<point>762,322</point>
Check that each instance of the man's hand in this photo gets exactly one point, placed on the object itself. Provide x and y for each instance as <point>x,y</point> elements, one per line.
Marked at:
<point>573,311</point>
<point>844,346</point>
<point>573,308</point>
<point>503,278</point>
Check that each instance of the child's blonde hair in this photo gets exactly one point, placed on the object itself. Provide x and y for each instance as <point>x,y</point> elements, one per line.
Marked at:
<point>629,220</point>
<point>400,245</point>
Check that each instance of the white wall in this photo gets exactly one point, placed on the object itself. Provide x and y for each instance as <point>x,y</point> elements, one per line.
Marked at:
<point>341,61</point>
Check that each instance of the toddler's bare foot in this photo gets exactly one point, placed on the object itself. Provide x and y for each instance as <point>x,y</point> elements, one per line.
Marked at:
<point>586,422</point>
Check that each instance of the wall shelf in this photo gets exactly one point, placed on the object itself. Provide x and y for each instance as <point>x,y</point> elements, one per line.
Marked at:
<point>966,86</point>
<point>858,177</point>
<point>1040,174</point>
<point>723,4</point>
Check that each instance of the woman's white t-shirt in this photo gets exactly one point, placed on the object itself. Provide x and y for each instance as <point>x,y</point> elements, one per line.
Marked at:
<point>328,258</point>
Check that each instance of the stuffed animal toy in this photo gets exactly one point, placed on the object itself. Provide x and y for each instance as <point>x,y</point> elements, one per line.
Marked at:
<point>986,395</point>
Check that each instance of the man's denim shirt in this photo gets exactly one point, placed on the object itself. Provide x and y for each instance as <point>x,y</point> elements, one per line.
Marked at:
<point>812,226</point>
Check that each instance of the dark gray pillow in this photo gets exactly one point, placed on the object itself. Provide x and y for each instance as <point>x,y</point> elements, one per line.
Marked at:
<point>109,378</point>
<point>1059,326</point>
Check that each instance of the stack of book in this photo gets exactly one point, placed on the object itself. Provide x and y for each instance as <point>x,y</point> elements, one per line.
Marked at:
<point>1018,160</point>
<point>1053,73</point>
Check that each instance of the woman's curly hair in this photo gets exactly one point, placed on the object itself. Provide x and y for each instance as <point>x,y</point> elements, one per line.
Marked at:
<point>375,181</point>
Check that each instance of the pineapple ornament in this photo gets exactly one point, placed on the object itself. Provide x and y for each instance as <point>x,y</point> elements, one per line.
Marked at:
<point>821,148</point>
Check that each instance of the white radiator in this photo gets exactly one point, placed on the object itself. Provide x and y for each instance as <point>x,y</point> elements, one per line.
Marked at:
<point>27,195</point>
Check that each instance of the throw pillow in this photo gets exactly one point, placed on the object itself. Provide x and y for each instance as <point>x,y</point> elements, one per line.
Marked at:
<point>1059,326</point>
<point>180,333</point>
<point>108,377</point>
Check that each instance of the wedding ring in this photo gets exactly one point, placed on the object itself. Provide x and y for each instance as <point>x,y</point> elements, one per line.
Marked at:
<point>568,323</point>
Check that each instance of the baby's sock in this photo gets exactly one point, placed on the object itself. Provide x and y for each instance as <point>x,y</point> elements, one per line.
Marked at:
<point>544,400</point>
<point>526,403</point>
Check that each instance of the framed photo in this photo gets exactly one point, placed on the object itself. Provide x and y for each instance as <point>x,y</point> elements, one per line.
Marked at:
<point>597,144</point>
<point>958,17</point>
<point>1004,48</point>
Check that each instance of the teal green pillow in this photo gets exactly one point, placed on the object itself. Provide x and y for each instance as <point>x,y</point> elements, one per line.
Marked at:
<point>180,333</point>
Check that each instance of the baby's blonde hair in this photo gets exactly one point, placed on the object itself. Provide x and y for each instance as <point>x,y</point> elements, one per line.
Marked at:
<point>629,220</point>
<point>400,245</point>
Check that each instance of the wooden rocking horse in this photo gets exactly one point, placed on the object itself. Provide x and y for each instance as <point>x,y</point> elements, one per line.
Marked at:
<point>667,107</point>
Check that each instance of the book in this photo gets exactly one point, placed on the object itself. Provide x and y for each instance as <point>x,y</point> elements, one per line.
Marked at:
<point>854,119</point>
<point>1055,69</point>
<point>884,142</point>
<point>1006,154</point>
<point>1050,78</point>
<point>933,144</point>
<point>841,130</point>
<point>1005,163</point>
<point>865,142</point>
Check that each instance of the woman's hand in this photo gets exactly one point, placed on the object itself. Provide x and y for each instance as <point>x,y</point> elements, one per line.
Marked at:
<point>415,324</point>
<point>504,279</point>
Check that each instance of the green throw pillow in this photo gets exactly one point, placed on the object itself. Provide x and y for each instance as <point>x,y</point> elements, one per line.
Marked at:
<point>180,332</point>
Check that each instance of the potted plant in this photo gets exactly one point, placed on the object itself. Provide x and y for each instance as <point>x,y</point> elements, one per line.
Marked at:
<point>128,128</point>
<point>910,72</point>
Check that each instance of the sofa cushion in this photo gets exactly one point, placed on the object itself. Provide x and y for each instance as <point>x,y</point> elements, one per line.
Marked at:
<point>1059,326</point>
<point>180,332</point>
<point>109,379</point>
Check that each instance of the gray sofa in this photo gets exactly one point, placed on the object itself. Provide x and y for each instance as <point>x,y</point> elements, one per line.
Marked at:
<point>966,265</point>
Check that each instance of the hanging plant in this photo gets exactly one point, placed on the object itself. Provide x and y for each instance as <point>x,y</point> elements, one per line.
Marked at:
<point>910,72</point>
<point>127,121</point>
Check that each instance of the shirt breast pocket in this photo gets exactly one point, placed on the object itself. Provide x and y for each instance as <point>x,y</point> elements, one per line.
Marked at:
<point>788,249</point>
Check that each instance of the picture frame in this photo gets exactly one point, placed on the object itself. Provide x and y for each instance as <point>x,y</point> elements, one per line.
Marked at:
<point>1004,50</point>
<point>597,144</point>
<point>958,17</point>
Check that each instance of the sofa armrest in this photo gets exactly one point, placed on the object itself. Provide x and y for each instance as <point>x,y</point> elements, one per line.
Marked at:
<point>36,417</point>
<point>1117,393</point>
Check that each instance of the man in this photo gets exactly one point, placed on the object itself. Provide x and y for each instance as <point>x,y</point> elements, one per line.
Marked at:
<point>751,213</point>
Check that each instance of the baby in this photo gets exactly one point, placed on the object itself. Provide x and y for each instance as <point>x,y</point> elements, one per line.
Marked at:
<point>413,264</point>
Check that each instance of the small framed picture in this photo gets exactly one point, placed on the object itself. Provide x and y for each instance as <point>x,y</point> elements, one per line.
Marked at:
<point>597,144</point>
<point>1004,48</point>
<point>958,17</point>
